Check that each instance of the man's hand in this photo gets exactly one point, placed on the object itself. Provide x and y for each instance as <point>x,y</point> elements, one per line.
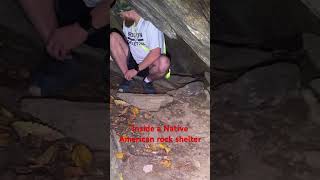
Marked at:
<point>64,39</point>
<point>130,74</point>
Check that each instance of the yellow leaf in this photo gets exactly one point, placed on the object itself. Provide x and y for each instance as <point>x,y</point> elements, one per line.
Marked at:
<point>167,163</point>
<point>119,155</point>
<point>153,147</point>
<point>81,156</point>
<point>165,147</point>
<point>135,111</point>
<point>121,103</point>
<point>120,176</point>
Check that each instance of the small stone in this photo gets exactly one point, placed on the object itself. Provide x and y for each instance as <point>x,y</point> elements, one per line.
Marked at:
<point>197,164</point>
<point>147,168</point>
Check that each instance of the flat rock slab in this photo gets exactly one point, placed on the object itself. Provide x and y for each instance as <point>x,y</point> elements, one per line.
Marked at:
<point>191,89</point>
<point>149,102</point>
<point>83,121</point>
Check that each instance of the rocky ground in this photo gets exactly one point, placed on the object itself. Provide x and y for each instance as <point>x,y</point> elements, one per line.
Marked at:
<point>79,114</point>
<point>187,107</point>
<point>61,137</point>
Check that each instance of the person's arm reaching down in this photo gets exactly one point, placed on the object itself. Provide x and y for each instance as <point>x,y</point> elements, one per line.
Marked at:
<point>66,38</point>
<point>153,55</point>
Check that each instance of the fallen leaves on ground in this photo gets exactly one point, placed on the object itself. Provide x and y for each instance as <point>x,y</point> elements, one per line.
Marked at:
<point>120,155</point>
<point>81,156</point>
<point>167,163</point>
<point>120,103</point>
<point>157,147</point>
<point>124,111</point>
<point>135,111</point>
<point>47,157</point>
<point>165,147</point>
<point>147,116</point>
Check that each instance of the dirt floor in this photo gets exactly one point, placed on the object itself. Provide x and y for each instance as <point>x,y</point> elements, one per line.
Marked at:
<point>163,160</point>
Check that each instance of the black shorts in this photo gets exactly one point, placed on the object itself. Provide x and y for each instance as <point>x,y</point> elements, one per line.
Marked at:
<point>69,11</point>
<point>132,63</point>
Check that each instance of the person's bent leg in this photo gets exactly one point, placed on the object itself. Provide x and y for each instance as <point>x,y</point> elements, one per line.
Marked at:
<point>119,51</point>
<point>159,68</point>
<point>42,15</point>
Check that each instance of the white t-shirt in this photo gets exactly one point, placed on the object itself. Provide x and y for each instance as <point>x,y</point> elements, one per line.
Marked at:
<point>144,34</point>
<point>91,3</point>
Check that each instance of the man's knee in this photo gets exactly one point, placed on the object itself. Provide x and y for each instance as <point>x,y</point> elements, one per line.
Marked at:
<point>164,63</point>
<point>114,37</point>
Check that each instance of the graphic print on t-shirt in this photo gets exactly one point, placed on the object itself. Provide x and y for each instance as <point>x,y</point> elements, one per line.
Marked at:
<point>142,37</point>
<point>135,39</point>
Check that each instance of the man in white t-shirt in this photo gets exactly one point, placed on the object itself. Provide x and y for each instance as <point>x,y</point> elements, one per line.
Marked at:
<point>64,25</point>
<point>140,52</point>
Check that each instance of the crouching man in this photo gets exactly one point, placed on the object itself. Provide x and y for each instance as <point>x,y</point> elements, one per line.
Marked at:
<point>139,51</point>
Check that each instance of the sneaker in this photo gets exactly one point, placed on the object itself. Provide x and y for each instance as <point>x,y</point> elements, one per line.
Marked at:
<point>124,86</point>
<point>148,88</point>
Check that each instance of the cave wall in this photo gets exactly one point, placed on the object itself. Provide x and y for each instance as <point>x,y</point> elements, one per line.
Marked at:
<point>253,22</point>
<point>189,19</point>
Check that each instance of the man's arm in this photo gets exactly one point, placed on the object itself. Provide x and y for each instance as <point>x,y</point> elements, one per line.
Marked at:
<point>100,14</point>
<point>150,58</point>
<point>153,55</point>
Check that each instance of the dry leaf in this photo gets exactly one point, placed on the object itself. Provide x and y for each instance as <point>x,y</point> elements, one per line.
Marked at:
<point>153,147</point>
<point>167,163</point>
<point>119,155</point>
<point>147,116</point>
<point>48,156</point>
<point>120,103</point>
<point>165,147</point>
<point>125,111</point>
<point>73,172</point>
<point>81,156</point>
<point>120,176</point>
<point>135,111</point>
